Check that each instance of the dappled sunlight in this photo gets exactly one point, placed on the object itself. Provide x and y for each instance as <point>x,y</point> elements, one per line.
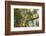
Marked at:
<point>26,17</point>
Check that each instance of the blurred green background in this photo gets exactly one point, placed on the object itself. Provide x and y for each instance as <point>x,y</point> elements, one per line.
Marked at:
<point>24,17</point>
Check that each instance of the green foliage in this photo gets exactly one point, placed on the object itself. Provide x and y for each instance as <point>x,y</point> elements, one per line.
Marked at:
<point>18,17</point>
